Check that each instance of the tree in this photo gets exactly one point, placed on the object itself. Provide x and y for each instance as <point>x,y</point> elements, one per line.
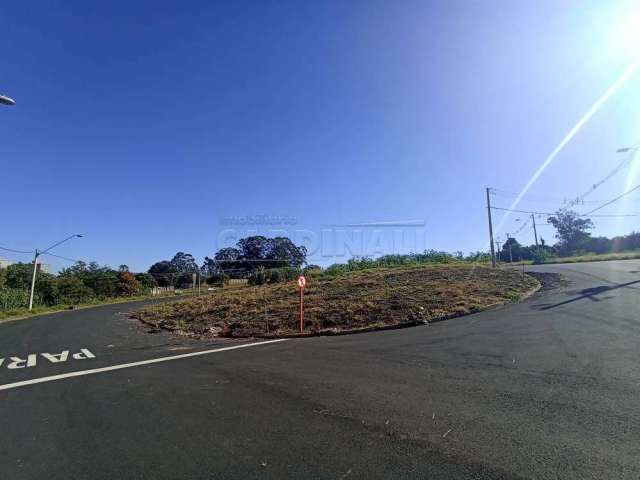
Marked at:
<point>571,230</point>
<point>19,275</point>
<point>518,252</point>
<point>185,265</point>
<point>127,285</point>
<point>225,259</point>
<point>254,253</point>
<point>282,252</point>
<point>164,272</point>
<point>146,281</point>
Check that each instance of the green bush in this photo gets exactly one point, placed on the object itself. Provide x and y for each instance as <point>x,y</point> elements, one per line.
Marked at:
<point>284,274</point>
<point>73,291</point>
<point>47,290</point>
<point>542,256</point>
<point>274,275</point>
<point>146,280</point>
<point>259,277</point>
<point>216,279</point>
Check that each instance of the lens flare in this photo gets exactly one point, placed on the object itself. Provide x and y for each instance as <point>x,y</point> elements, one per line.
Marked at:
<point>633,68</point>
<point>625,36</point>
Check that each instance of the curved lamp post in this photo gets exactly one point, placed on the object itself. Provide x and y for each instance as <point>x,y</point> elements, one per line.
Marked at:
<point>35,264</point>
<point>7,100</point>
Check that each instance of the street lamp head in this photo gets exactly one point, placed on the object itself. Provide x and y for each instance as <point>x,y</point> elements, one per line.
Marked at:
<point>79,235</point>
<point>627,149</point>
<point>7,100</point>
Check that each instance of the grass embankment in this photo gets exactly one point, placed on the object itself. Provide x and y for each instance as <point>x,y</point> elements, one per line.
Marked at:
<point>352,301</point>
<point>23,312</point>
<point>595,257</point>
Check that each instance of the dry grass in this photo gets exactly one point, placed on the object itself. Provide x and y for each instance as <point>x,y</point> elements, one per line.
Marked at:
<point>369,298</point>
<point>596,257</point>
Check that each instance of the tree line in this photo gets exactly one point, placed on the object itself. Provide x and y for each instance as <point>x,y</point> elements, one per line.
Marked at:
<point>573,238</point>
<point>267,260</point>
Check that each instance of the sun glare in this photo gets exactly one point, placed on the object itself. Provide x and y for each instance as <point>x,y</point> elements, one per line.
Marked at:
<point>626,35</point>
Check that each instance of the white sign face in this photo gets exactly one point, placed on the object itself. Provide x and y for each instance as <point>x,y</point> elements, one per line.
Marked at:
<point>31,359</point>
<point>302,282</point>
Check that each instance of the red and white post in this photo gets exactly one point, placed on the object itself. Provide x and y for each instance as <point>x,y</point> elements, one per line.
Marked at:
<point>302,282</point>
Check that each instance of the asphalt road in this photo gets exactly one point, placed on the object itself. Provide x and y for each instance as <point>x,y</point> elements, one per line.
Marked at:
<point>545,389</point>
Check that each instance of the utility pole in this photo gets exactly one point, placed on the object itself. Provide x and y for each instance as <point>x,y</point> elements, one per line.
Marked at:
<point>35,264</point>
<point>498,256</point>
<point>535,233</point>
<point>509,243</point>
<point>493,253</point>
<point>33,278</point>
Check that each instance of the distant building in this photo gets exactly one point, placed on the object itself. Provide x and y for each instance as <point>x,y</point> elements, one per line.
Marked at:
<point>5,263</point>
<point>42,267</point>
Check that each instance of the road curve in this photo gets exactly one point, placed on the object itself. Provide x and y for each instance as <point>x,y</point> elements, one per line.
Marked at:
<point>548,388</point>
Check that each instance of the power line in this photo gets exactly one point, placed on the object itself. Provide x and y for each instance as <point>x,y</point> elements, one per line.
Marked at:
<point>579,215</point>
<point>14,251</point>
<point>579,200</point>
<point>61,257</point>
<point>613,200</point>
<point>597,184</point>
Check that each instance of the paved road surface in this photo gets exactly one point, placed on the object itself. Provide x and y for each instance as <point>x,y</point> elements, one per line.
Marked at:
<point>546,389</point>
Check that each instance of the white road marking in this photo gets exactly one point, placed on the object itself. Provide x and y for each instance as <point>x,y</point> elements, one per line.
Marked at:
<point>129,365</point>
<point>31,360</point>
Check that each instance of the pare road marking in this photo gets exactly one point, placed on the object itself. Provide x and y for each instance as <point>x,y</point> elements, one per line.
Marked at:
<point>31,360</point>
<point>130,365</point>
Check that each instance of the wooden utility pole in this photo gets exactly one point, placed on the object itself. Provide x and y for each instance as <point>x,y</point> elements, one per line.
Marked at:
<point>509,243</point>
<point>535,233</point>
<point>493,253</point>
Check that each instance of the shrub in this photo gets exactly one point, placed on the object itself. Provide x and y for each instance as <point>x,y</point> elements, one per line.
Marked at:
<point>11,298</point>
<point>47,290</point>
<point>217,278</point>
<point>128,285</point>
<point>73,291</point>
<point>273,275</point>
<point>146,281</point>
<point>259,277</point>
<point>542,256</point>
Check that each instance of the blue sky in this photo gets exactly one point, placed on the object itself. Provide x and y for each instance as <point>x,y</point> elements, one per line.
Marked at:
<point>144,124</point>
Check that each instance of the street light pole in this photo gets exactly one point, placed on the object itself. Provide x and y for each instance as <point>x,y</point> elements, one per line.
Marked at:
<point>35,265</point>
<point>33,278</point>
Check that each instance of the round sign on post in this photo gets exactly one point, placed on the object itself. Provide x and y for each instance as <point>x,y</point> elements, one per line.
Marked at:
<point>302,282</point>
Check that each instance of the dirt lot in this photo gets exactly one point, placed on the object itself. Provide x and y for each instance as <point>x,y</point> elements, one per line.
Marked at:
<point>359,300</point>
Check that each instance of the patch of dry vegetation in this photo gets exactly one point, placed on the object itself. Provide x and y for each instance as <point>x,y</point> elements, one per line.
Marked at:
<point>357,300</point>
